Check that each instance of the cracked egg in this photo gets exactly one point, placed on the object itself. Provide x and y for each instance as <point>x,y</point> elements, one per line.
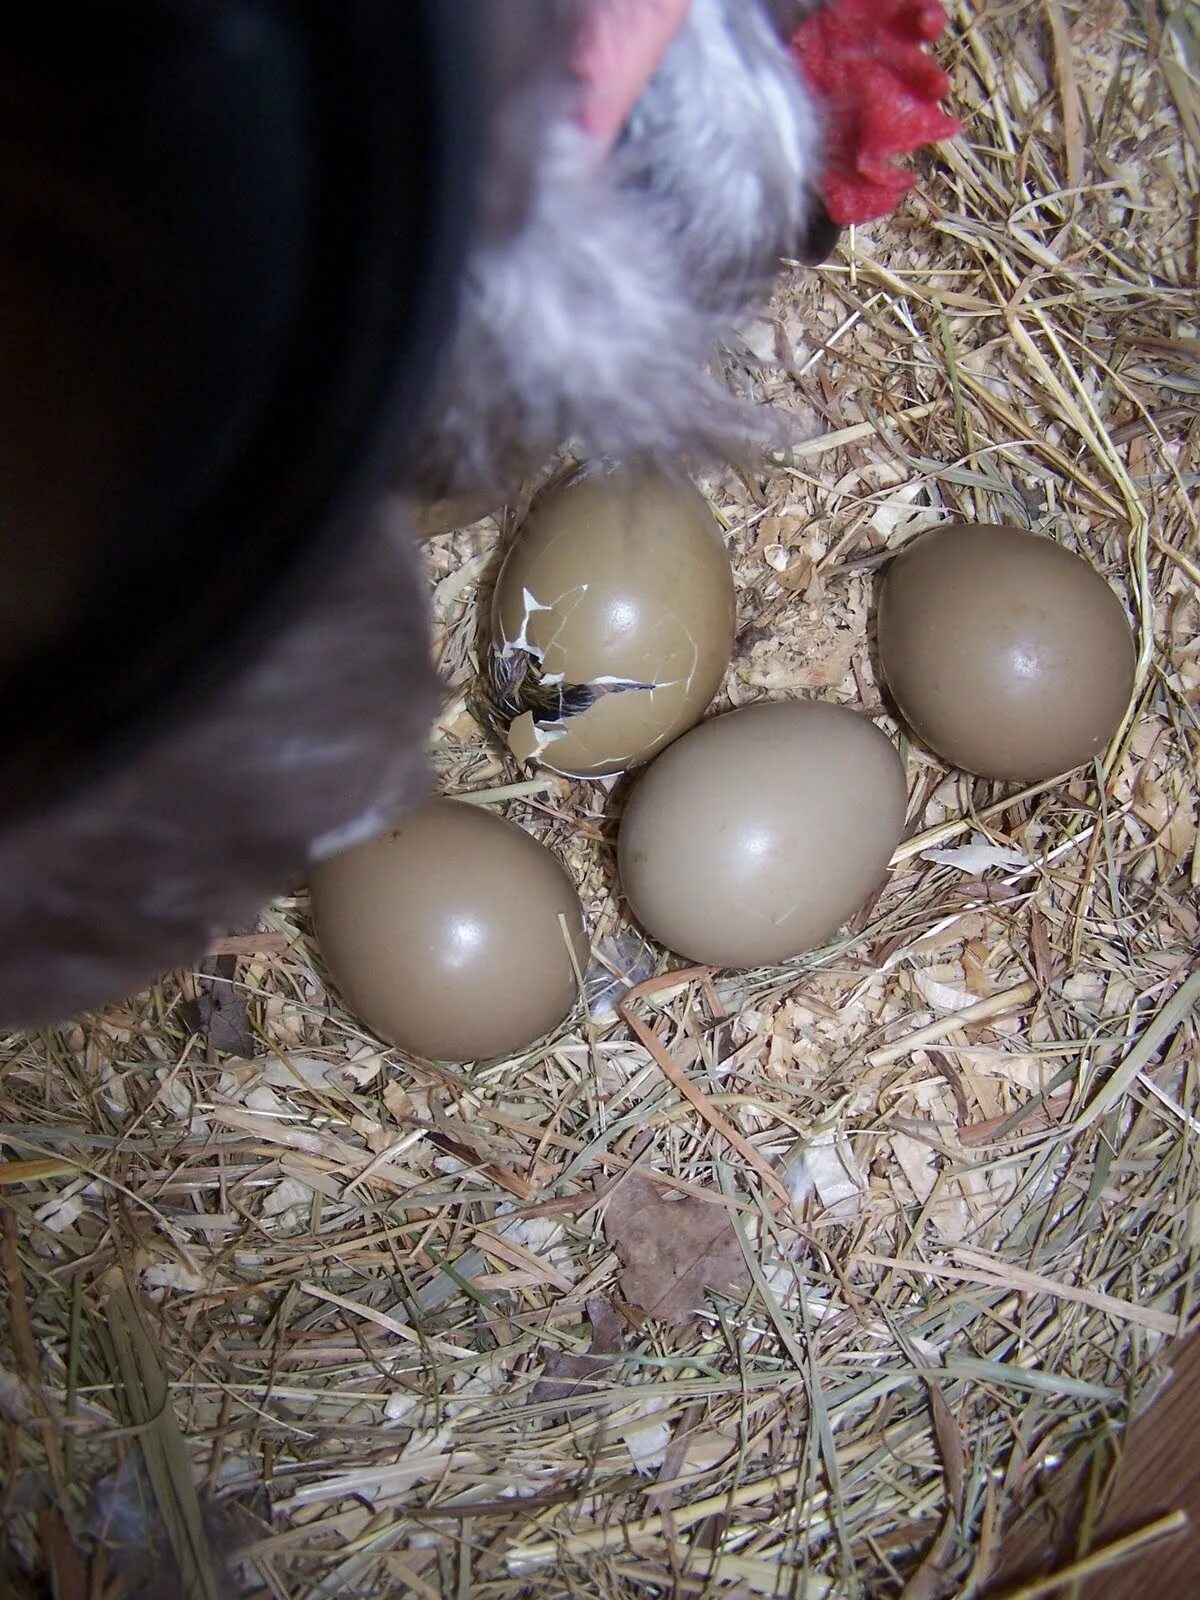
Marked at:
<point>612,622</point>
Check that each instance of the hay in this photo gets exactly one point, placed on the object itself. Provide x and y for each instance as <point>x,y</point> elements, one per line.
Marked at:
<point>980,1102</point>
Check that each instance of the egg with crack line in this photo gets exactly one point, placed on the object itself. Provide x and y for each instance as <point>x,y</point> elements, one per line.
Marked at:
<point>612,622</point>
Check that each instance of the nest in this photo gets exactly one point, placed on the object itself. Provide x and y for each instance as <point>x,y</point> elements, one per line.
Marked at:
<point>279,1300</point>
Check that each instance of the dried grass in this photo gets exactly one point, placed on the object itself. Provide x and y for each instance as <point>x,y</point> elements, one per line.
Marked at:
<point>978,1106</point>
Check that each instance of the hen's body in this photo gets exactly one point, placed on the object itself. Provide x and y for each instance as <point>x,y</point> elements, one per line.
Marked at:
<point>602,279</point>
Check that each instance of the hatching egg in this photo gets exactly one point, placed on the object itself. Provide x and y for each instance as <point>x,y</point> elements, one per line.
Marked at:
<point>1006,653</point>
<point>457,936</point>
<point>756,835</point>
<point>612,622</point>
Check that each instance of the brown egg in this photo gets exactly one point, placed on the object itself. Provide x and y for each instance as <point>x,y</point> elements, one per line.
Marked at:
<point>612,622</point>
<point>453,935</point>
<point>758,834</point>
<point>1007,654</point>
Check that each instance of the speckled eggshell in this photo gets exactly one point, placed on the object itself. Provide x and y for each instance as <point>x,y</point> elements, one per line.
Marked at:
<point>446,936</point>
<point>1006,653</point>
<point>756,835</point>
<point>612,622</point>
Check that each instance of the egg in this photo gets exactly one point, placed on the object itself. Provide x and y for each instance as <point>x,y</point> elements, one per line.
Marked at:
<point>456,936</point>
<point>757,834</point>
<point>612,622</point>
<point>1007,654</point>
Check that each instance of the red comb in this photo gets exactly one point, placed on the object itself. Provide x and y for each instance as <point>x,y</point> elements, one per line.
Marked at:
<point>866,61</point>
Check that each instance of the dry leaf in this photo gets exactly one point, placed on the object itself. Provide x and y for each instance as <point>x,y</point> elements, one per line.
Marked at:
<point>672,1251</point>
<point>565,1377</point>
<point>218,1013</point>
<point>929,1581</point>
<point>975,960</point>
<point>1045,963</point>
<point>950,1446</point>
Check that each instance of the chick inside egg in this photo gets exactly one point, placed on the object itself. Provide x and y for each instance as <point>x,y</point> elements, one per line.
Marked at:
<point>612,622</point>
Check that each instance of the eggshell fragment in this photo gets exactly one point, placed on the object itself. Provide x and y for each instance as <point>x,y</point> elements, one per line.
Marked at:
<point>756,835</point>
<point>612,622</point>
<point>1006,653</point>
<point>453,935</point>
